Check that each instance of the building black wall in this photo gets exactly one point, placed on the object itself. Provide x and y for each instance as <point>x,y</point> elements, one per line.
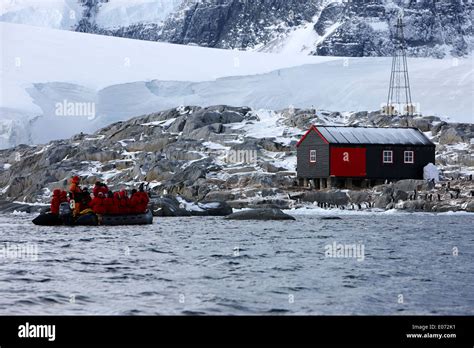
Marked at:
<point>305,169</point>
<point>376,169</point>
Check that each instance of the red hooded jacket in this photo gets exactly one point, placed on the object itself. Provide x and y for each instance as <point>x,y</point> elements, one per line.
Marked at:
<point>74,188</point>
<point>134,201</point>
<point>104,189</point>
<point>96,190</point>
<point>55,201</point>
<point>141,201</point>
<point>109,205</point>
<point>116,208</point>
<point>97,205</point>
<point>124,203</point>
<point>63,196</point>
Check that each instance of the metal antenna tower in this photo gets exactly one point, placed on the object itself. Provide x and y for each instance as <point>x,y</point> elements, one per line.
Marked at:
<point>399,94</point>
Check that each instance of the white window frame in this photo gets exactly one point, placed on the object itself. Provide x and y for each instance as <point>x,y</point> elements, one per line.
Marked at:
<point>311,152</point>
<point>384,160</point>
<point>405,153</point>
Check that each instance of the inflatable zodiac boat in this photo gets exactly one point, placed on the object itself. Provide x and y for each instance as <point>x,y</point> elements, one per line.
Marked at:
<point>65,217</point>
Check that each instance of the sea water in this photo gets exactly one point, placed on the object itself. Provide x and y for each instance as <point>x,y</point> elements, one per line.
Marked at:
<point>359,264</point>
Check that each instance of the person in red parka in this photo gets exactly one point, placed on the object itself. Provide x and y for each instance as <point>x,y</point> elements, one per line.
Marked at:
<point>96,189</point>
<point>124,202</point>
<point>74,187</point>
<point>86,198</point>
<point>55,201</point>
<point>76,191</point>
<point>142,200</point>
<point>116,203</point>
<point>134,200</point>
<point>109,203</point>
<point>97,204</point>
<point>63,196</point>
<point>104,189</point>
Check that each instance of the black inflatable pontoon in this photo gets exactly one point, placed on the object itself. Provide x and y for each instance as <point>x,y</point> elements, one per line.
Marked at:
<point>91,219</point>
<point>128,219</point>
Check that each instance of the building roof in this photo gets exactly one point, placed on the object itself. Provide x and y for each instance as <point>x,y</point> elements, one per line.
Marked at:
<point>369,135</point>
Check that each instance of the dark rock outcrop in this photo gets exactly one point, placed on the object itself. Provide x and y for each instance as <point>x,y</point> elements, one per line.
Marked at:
<point>170,206</point>
<point>470,206</point>
<point>213,209</point>
<point>335,198</point>
<point>260,214</point>
<point>11,207</point>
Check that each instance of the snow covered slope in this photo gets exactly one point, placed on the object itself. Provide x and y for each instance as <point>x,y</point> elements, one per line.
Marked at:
<point>34,54</point>
<point>58,14</point>
<point>437,86</point>
<point>121,13</point>
<point>66,14</point>
<point>124,78</point>
<point>40,65</point>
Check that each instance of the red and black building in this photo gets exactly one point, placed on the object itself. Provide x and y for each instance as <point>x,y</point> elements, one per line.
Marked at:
<point>336,154</point>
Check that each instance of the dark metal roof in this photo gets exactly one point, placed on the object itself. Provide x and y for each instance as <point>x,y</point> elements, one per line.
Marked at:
<point>374,135</point>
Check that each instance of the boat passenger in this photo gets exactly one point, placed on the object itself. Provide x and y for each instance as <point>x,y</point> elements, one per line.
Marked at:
<point>117,202</point>
<point>134,201</point>
<point>124,206</point>
<point>97,204</point>
<point>109,203</point>
<point>86,197</point>
<point>104,189</point>
<point>100,187</point>
<point>96,188</point>
<point>142,201</point>
<point>63,196</point>
<point>55,201</point>
<point>75,191</point>
<point>74,188</point>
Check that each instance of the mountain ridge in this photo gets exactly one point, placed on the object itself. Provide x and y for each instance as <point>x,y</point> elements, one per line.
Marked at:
<point>340,28</point>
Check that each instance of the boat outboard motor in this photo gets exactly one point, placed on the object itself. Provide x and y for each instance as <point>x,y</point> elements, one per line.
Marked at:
<point>65,213</point>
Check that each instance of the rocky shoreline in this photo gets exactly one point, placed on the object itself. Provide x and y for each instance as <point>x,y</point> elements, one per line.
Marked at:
<point>206,157</point>
<point>404,195</point>
<point>407,195</point>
